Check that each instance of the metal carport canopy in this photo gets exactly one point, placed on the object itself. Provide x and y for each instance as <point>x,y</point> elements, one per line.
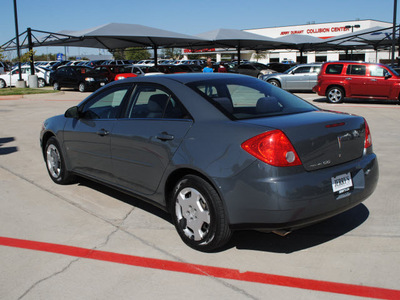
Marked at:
<point>118,36</point>
<point>239,39</point>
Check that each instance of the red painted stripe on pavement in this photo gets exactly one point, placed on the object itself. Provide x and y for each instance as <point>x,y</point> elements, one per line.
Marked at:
<point>11,97</point>
<point>225,273</point>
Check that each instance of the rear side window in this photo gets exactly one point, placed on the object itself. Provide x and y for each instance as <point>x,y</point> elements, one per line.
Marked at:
<point>334,69</point>
<point>356,70</point>
<point>245,98</point>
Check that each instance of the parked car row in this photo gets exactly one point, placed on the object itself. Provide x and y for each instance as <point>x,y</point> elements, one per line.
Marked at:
<point>338,80</point>
<point>11,78</point>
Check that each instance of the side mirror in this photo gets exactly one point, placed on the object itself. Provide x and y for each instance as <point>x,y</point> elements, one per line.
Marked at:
<point>387,76</point>
<point>73,112</point>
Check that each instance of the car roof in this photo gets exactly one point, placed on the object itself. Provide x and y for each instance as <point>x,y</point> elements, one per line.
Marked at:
<point>184,78</point>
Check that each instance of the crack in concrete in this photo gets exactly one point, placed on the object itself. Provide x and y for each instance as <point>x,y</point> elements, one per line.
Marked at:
<point>102,244</point>
<point>117,228</point>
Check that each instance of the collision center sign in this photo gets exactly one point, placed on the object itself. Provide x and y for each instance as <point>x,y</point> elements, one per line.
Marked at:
<point>319,30</point>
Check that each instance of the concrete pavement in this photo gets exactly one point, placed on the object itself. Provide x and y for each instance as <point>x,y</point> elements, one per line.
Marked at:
<point>357,250</point>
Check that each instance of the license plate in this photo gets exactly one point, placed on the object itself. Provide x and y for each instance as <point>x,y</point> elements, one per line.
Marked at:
<point>102,83</point>
<point>342,182</point>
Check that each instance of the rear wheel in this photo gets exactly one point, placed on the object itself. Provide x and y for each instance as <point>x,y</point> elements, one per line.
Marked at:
<point>199,215</point>
<point>55,163</point>
<point>56,86</point>
<point>2,84</point>
<point>274,82</point>
<point>335,94</point>
<point>82,87</point>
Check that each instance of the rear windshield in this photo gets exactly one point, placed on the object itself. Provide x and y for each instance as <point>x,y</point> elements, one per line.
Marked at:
<point>245,98</point>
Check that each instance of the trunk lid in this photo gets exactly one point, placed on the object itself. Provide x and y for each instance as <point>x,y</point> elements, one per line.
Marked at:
<point>321,138</point>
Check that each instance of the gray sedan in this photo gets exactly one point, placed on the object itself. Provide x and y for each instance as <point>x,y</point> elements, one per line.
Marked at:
<point>300,77</point>
<point>220,152</point>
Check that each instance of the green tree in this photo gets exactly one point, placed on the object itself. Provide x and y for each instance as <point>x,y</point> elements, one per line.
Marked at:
<point>118,53</point>
<point>259,55</point>
<point>26,57</point>
<point>136,53</point>
<point>172,53</point>
<point>2,57</point>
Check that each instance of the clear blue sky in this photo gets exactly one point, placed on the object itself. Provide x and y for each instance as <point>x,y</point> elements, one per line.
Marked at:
<point>183,16</point>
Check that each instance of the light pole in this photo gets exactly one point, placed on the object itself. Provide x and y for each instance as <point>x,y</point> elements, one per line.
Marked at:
<point>17,40</point>
<point>352,30</point>
<point>394,31</point>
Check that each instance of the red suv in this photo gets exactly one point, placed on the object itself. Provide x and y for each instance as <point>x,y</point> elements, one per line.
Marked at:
<point>341,79</point>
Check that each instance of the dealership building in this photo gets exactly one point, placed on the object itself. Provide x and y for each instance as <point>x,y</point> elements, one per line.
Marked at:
<point>321,30</point>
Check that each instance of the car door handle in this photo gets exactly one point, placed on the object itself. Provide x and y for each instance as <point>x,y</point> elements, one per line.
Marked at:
<point>102,132</point>
<point>164,136</point>
<point>373,79</point>
<point>348,78</point>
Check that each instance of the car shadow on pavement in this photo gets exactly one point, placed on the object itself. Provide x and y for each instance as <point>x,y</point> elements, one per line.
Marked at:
<point>7,150</point>
<point>298,240</point>
<point>359,101</point>
<point>141,204</point>
<point>304,238</point>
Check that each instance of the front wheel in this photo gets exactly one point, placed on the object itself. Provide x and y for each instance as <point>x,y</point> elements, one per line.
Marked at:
<point>199,215</point>
<point>55,163</point>
<point>274,82</point>
<point>41,83</point>
<point>2,84</point>
<point>335,94</point>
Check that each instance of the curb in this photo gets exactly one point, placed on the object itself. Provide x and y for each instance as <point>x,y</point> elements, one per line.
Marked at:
<point>27,96</point>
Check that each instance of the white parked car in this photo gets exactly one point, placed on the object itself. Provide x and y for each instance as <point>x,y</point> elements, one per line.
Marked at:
<point>11,78</point>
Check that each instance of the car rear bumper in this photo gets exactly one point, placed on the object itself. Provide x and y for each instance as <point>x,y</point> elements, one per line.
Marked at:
<point>292,198</point>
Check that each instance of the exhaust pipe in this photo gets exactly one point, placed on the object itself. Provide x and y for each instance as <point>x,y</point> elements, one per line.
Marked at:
<point>282,232</point>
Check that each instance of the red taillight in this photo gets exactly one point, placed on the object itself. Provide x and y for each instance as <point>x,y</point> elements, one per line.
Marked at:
<point>368,138</point>
<point>273,148</point>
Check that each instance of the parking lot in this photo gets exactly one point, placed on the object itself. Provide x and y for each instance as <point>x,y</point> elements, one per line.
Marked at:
<point>86,241</point>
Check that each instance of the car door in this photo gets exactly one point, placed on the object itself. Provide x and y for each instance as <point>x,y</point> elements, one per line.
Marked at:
<point>87,139</point>
<point>297,79</point>
<point>247,70</point>
<point>145,140</point>
<point>380,83</point>
<point>357,80</point>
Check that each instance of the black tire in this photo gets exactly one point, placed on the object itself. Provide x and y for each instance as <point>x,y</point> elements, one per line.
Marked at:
<point>41,83</point>
<point>2,84</point>
<point>55,163</point>
<point>199,215</point>
<point>335,94</point>
<point>56,86</point>
<point>274,82</point>
<point>82,87</point>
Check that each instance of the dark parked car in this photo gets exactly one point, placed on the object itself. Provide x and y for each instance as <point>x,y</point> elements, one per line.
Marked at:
<point>253,69</point>
<point>110,71</point>
<point>171,69</point>
<point>341,79</point>
<point>220,152</point>
<point>191,68</point>
<point>79,77</point>
<point>280,67</point>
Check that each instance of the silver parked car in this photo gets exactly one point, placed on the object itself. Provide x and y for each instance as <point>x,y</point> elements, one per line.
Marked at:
<point>220,152</point>
<point>300,77</point>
